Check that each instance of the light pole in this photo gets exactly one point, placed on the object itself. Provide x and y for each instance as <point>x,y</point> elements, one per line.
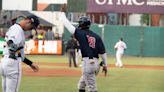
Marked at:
<point>102,31</point>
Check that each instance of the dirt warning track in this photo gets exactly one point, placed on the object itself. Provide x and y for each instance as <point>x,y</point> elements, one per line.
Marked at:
<point>74,72</point>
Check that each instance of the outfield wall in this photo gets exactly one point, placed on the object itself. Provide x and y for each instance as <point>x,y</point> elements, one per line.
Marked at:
<point>141,41</point>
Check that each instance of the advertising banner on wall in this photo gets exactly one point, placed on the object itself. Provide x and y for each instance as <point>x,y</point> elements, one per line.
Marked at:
<point>43,47</point>
<point>39,47</point>
<point>126,6</point>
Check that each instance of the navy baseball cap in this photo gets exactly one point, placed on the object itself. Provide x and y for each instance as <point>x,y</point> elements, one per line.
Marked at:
<point>35,20</point>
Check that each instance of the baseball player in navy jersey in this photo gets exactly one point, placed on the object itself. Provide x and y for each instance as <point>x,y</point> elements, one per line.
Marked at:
<point>13,53</point>
<point>120,46</point>
<point>91,47</point>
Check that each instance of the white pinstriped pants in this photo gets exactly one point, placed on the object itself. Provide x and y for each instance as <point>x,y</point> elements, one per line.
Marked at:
<point>11,74</point>
<point>88,78</point>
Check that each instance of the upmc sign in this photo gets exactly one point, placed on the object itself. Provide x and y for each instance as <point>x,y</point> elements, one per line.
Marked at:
<point>126,6</point>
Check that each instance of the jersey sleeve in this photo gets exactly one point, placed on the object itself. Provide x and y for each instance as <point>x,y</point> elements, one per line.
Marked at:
<point>14,35</point>
<point>125,47</point>
<point>101,47</point>
<point>77,33</point>
<point>66,23</point>
<point>116,46</point>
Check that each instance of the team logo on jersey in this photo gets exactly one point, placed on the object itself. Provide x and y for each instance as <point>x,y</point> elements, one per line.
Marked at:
<point>91,41</point>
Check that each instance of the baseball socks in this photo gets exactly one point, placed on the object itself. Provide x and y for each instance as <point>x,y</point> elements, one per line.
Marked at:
<point>81,90</point>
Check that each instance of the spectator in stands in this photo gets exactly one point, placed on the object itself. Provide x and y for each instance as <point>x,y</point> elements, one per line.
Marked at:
<point>49,35</point>
<point>57,37</point>
<point>40,36</point>
<point>41,33</point>
<point>2,32</point>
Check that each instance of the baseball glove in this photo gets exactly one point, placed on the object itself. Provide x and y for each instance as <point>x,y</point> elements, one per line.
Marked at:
<point>104,68</point>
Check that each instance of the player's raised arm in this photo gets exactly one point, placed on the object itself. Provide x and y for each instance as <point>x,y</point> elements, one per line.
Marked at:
<point>66,23</point>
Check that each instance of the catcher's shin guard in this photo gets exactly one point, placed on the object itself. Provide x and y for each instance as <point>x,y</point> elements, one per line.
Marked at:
<point>81,90</point>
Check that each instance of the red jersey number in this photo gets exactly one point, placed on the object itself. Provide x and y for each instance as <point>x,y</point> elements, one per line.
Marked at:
<point>91,41</point>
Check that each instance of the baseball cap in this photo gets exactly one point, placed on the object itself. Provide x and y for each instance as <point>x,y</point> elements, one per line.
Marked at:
<point>35,20</point>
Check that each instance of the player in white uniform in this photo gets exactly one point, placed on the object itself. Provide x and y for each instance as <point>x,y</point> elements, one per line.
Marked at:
<point>13,53</point>
<point>120,47</point>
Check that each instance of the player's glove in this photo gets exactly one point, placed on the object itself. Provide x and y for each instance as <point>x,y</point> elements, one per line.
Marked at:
<point>104,68</point>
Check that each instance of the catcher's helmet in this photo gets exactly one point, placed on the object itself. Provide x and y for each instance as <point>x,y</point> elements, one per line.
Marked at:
<point>84,21</point>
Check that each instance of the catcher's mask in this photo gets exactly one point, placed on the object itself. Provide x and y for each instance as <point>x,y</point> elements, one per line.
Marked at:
<point>84,22</point>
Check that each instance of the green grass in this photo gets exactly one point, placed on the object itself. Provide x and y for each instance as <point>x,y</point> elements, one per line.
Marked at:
<point>49,84</point>
<point>134,80</point>
<point>47,58</point>
<point>111,59</point>
<point>118,80</point>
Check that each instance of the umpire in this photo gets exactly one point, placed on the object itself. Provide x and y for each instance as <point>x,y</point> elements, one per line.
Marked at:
<point>70,49</point>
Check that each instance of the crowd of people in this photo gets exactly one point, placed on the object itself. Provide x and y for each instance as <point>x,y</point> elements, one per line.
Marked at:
<point>39,34</point>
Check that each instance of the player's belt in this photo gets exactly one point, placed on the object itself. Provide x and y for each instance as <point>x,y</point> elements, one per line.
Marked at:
<point>91,57</point>
<point>91,60</point>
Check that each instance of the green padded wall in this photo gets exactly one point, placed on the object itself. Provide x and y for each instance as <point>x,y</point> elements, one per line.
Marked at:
<point>131,37</point>
<point>153,41</point>
<point>141,41</point>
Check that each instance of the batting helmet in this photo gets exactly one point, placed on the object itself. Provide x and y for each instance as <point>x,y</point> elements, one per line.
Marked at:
<point>84,21</point>
<point>35,20</point>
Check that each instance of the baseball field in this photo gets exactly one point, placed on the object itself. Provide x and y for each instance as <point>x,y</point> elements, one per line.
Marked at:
<point>139,74</point>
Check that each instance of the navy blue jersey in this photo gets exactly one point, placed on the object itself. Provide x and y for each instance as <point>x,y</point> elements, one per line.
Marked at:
<point>90,43</point>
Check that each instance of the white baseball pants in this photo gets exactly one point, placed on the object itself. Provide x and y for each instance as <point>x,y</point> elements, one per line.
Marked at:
<point>88,78</point>
<point>11,74</point>
<point>118,59</point>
